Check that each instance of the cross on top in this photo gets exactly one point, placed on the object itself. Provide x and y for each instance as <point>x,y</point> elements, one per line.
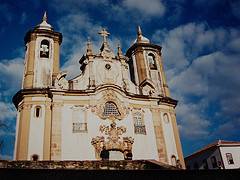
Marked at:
<point>104,34</point>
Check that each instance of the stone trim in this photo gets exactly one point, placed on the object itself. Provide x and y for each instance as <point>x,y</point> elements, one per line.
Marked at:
<point>160,141</point>
<point>23,132</point>
<point>177,140</point>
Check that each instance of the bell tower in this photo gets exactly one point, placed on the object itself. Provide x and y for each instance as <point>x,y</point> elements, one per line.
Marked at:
<point>41,56</point>
<point>146,67</point>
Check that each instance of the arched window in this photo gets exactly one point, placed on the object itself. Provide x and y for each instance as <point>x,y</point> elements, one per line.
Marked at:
<point>139,126</point>
<point>37,111</point>
<point>111,109</point>
<point>166,118</point>
<point>35,157</point>
<point>152,61</point>
<point>174,160</point>
<point>44,49</point>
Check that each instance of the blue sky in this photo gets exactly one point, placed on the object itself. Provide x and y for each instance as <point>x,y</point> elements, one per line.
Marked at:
<point>201,51</point>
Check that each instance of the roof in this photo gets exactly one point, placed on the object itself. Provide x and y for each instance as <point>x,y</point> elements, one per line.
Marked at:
<point>214,145</point>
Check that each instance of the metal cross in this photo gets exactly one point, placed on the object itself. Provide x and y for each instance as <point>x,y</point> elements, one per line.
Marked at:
<point>104,34</point>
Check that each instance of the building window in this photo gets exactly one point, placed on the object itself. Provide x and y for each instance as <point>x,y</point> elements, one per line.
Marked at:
<point>37,111</point>
<point>214,161</point>
<point>79,123</point>
<point>35,157</point>
<point>205,164</point>
<point>44,49</point>
<point>152,61</point>
<point>166,118</point>
<point>79,127</point>
<point>139,126</point>
<point>111,109</point>
<point>229,158</point>
<point>174,160</point>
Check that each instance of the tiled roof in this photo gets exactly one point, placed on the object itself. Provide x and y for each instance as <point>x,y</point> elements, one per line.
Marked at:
<point>214,145</point>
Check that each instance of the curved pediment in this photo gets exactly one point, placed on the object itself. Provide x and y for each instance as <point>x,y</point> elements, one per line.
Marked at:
<point>110,106</point>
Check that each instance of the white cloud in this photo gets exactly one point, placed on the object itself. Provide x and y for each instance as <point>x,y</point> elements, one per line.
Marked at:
<point>202,66</point>
<point>147,8</point>
<point>7,111</point>
<point>11,72</point>
<point>191,124</point>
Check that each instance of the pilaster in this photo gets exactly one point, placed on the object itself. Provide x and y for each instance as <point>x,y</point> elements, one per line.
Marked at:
<point>23,132</point>
<point>56,64</point>
<point>29,76</point>
<point>177,140</point>
<point>47,131</point>
<point>56,131</point>
<point>161,146</point>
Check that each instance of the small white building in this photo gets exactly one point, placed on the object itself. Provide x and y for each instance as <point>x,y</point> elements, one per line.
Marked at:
<point>218,155</point>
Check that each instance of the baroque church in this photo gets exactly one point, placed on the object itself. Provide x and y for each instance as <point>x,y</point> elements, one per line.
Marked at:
<point>118,107</point>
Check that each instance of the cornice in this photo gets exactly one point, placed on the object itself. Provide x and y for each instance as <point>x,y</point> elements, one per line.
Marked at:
<point>32,35</point>
<point>135,46</point>
<point>17,98</point>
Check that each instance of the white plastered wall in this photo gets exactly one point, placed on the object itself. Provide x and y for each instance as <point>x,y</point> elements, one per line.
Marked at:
<point>169,137</point>
<point>77,146</point>
<point>36,132</point>
<point>235,151</point>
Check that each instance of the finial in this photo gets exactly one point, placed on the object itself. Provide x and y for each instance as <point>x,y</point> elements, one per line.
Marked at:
<point>44,24</point>
<point>140,37</point>
<point>89,47</point>
<point>139,31</point>
<point>119,52</point>
<point>44,16</point>
<point>104,34</point>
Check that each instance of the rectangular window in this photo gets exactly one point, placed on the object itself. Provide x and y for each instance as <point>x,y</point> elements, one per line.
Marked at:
<point>79,120</point>
<point>79,127</point>
<point>139,127</point>
<point>229,158</point>
<point>140,130</point>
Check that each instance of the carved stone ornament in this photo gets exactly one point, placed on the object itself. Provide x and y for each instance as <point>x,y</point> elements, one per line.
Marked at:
<point>60,81</point>
<point>110,96</point>
<point>107,54</point>
<point>114,141</point>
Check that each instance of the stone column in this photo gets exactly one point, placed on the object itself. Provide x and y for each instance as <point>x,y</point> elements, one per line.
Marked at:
<point>161,146</point>
<point>56,139</point>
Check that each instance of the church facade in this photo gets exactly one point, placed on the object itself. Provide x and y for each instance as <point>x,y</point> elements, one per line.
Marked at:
<point>118,103</point>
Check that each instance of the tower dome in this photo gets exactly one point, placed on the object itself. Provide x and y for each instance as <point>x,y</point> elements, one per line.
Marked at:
<point>140,37</point>
<point>44,24</point>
